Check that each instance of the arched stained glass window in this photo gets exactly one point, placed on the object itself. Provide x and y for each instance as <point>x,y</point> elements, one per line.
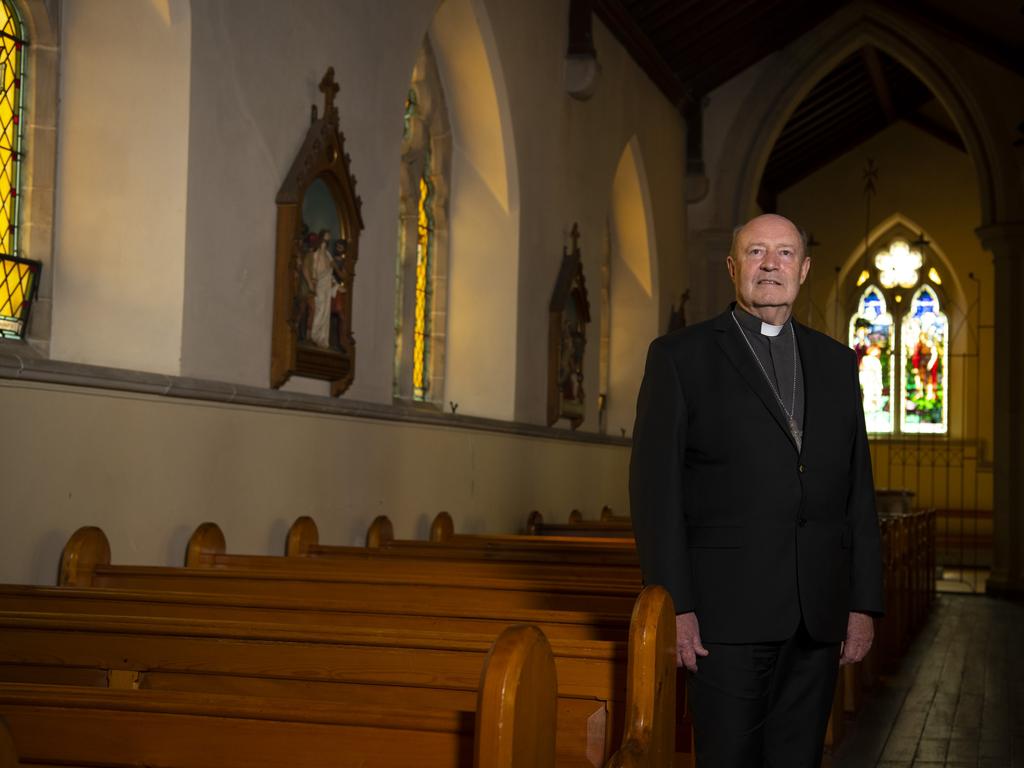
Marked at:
<point>424,291</point>
<point>871,336</point>
<point>18,278</point>
<point>421,269</point>
<point>902,347</point>
<point>924,334</point>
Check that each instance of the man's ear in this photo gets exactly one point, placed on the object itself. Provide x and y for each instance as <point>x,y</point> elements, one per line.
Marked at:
<point>805,267</point>
<point>731,266</point>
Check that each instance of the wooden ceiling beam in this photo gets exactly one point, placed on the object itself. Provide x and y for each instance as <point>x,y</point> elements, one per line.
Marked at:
<point>952,28</point>
<point>873,64</point>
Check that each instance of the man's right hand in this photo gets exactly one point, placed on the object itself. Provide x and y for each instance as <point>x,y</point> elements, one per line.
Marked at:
<point>688,644</point>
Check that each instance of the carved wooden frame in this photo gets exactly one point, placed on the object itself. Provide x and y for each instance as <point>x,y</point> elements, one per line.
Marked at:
<point>323,157</point>
<point>570,279</point>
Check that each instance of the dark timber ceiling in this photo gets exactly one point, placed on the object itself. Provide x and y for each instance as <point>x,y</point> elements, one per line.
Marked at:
<point>691,47</point>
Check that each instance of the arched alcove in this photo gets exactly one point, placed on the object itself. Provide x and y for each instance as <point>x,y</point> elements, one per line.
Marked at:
<point>483,215</point>
<point>633,289</point>
<point>786,80</point>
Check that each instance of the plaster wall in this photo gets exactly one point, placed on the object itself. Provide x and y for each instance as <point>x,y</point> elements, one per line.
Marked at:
<point>119,273</point>
<point>514,195</point>
<point>568,152</point>
<point>148,470</point>
<point>483,215</point>
<point>250,108</point>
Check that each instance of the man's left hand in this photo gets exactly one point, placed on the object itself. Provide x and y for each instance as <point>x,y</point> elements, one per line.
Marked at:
<point>860,632</point>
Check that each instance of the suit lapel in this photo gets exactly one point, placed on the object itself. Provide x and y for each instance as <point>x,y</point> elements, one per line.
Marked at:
<point>739,354</point>
<point>816,385</point>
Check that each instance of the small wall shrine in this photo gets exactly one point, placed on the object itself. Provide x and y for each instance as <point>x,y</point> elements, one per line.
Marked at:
<point>568,316</point>
<point>318,226</point>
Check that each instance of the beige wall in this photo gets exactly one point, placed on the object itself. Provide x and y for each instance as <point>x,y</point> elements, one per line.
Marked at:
<point>119,268</point>
<point>148,470</point>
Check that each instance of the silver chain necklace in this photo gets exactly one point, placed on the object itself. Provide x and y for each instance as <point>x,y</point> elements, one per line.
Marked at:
<point>790,412</point>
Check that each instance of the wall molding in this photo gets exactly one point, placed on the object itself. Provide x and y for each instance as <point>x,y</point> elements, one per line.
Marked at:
<point>20,363</point>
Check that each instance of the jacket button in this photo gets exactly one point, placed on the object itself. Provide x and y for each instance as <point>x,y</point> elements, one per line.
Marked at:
<point>802,468</point>
<point>802,522</point>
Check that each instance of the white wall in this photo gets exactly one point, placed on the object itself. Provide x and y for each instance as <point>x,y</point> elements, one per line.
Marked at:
<point>634,288</point>
<point>148,470</point>
<point>483,271</point>
<point>122,164</point>
<point>256,66</point>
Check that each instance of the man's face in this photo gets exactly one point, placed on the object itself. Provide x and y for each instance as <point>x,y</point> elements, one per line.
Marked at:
<point>768,265</point>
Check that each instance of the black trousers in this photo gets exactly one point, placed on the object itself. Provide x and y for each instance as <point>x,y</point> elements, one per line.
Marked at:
<point>763,705</point>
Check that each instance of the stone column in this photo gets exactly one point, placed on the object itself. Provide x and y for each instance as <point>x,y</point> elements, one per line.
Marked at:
<point>1006,243</point>
<point>710,287</point>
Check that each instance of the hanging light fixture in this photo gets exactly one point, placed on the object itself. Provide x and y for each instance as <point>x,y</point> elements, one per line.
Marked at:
<point>19,284</point>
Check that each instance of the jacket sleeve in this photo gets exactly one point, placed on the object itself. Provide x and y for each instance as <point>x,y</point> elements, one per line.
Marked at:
<point>655,478</point>
<point>866,561</point>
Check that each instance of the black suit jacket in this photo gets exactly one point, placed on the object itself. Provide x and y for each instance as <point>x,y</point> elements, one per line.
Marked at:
<point>729,516</point>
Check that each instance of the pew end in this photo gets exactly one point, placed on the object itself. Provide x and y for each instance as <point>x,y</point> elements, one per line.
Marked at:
<point>87,548</point>
<point>535,523</point>
<point>575,517</point>
<point>648,740</point>
<point>517,702</point>
<point>443,528</point>
<point>302,535</point>
<point>207,539</point>
<point>380,532</point>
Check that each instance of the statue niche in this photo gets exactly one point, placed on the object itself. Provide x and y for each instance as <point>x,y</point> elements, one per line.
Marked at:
<point>568,316</point>
<point>318,226</point>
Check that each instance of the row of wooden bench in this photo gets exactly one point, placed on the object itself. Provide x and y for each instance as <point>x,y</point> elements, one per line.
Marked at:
<point>361,642</point>
<point>908,559</point>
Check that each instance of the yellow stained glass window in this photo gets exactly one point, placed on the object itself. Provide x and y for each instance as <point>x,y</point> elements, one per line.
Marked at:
<point>18,277</point>
<point>11,63</point>
<point>424,249</point>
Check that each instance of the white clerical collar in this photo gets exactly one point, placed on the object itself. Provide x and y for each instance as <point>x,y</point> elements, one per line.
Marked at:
<point>767,329</point>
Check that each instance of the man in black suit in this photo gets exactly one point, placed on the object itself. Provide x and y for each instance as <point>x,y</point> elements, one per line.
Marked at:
<point>753,504</point>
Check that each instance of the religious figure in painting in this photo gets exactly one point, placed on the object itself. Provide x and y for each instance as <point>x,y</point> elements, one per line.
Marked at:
<point>872,383</point>
<point>574,342</point>
<point>339,303</point>
<point>925,362</point>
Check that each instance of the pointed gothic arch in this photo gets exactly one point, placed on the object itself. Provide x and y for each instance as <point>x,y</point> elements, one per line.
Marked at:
<point>483,221</point>
<point>788,79</point>
<point>633,286</point>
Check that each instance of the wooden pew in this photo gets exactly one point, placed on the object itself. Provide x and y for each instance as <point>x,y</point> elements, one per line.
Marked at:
<point>513,725</point>
<point>206,549</point>
<point>431,669</point>
<point>303,539</point>
<point>610,526</point>
<point>594,669</point>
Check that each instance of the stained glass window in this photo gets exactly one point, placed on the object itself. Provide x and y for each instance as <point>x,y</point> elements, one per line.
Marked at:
<point>902,350</point>
<point>871,336</point>
<point>18,278</point>
<point>11,63</point>
<point>424,251</point>
<point>924,358</point>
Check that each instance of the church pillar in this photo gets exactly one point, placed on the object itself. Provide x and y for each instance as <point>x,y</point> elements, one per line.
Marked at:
<point>710,287</point>
<point>1006,243</point>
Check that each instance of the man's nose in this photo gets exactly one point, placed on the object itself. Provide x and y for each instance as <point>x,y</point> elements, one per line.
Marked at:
<point>770,262</point>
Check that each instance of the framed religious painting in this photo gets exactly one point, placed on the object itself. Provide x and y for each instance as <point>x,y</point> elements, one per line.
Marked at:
<point>568,316</point>
<point>318,225</point>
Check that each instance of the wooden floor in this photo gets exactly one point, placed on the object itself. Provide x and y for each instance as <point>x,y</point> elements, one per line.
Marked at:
<point>957,699</point>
